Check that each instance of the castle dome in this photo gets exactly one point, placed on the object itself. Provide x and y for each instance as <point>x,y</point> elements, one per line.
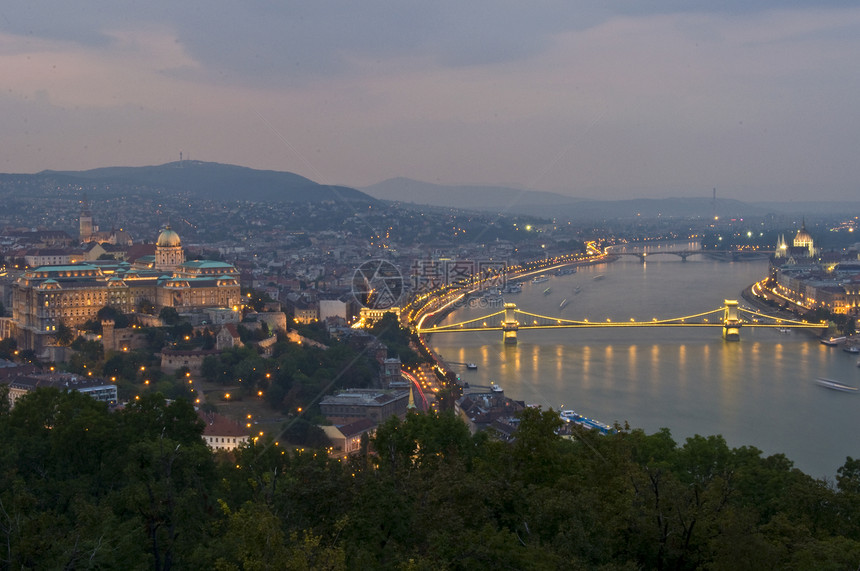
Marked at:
<point>168,238</point>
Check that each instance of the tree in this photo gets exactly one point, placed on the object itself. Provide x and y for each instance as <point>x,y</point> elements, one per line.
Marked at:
<point>64,335</point>
<point>108,313</point>
<point>145,306</point>
<point>7,348</point>
<point>169,316</point>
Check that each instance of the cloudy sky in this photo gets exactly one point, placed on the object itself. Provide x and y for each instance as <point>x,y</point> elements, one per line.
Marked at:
<point>588,98</point>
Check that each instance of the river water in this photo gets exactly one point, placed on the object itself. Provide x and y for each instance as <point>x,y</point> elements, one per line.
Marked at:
<point>758,391</point>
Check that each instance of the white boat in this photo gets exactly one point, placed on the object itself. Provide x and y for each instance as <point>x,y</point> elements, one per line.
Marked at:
<point>851,349</point>
<point>562,304</point>
<point>784,330</point>
<point>471,366</point>
<point>835,385</point>
<point>540,279</point>
<point>833,341</point>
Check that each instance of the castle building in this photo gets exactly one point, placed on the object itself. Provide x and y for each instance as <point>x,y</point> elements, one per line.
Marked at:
<point>168,250</point>
<point>71,294</point>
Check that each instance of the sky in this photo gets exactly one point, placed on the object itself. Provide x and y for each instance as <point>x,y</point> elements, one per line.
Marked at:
<point>590,98</point>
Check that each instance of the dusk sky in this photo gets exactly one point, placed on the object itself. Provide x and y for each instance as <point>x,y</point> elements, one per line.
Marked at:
<point>593,99</point>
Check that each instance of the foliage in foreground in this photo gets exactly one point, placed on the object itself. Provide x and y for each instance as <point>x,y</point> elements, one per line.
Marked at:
<point>81,487</point>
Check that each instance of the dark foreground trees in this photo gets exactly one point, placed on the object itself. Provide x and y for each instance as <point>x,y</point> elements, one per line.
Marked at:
<point>81,488</point>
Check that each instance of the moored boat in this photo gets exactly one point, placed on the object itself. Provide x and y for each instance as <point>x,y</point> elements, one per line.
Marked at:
<point>540,279</point>
<point>589,423</point>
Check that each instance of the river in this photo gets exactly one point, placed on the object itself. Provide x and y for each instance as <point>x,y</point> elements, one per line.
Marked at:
<point>758,391</point>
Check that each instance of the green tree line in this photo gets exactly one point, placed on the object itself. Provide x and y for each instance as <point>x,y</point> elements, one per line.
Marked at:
<point>85,488</point>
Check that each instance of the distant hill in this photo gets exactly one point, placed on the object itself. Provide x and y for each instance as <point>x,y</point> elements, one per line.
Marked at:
<point>485,198</point>
<point>552,205</point>
<point>202,179</point>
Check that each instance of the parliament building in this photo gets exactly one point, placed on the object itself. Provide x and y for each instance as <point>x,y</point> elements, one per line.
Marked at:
<point>46,296</point>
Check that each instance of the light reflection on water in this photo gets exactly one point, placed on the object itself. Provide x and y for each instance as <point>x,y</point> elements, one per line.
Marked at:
<point>757,392</point>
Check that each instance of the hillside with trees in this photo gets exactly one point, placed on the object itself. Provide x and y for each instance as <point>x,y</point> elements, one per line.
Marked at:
<point>83,487</point>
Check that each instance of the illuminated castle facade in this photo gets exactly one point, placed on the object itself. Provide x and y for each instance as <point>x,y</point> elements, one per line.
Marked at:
<point>47,296</point>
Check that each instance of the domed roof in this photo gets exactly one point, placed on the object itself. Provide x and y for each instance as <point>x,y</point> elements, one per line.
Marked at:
<point>168,238</point>
<point>803,237</point>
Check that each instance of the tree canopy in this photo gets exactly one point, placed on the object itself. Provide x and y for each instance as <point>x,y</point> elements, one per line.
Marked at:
<point>84,487</point>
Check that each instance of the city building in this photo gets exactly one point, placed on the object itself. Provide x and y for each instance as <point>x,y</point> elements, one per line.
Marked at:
<point>174,359</point>
<point>803,246</point>
<point>88,232</point>
<point>98,389</point>
<point>71,294</point>
<point>480,407</point>
<point>346,438</point>
<point>391,373</point>
<point>813,280</point>
<point>221,433</point>
<point>353,404</point>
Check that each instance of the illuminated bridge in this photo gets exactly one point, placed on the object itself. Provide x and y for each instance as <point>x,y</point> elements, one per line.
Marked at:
<point>730,318</point>
<point>727,255</point>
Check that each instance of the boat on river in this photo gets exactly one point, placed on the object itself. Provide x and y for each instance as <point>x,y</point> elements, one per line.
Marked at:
<point>547,291</point>
<point>589,423</point>
<point>472,366</point>
<point>851,349</point>
<point>563,304</point>
<point>540,279</point>
<point>834,385</point>
<point>833,341</point>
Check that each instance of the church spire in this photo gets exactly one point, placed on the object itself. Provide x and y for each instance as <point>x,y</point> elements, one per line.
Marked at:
<point>411,404</point>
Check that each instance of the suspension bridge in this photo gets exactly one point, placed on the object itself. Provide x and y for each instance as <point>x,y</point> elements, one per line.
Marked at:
<point>730,317</point>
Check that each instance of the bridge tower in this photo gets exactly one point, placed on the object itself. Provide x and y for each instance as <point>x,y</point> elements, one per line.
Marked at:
<point>510,324</point>
<point>731,321</point>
